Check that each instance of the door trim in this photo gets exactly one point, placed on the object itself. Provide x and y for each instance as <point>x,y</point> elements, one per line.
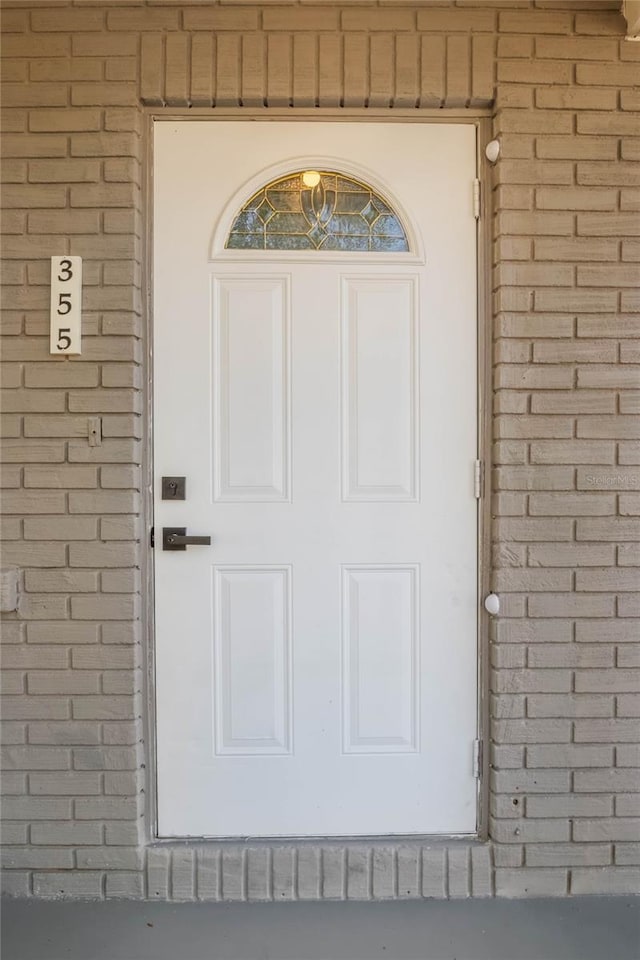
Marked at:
<point>481,119</point>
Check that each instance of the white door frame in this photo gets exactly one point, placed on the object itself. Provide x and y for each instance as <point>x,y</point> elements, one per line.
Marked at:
<point>481,120</point>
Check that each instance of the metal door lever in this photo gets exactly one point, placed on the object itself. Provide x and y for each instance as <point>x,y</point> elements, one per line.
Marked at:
<point>175,538</point>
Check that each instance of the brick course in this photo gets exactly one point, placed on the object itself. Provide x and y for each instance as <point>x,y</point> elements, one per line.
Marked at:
<point>560,84</point>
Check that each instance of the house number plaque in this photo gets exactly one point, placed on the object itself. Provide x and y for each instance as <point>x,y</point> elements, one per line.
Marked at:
<point>66,305</point>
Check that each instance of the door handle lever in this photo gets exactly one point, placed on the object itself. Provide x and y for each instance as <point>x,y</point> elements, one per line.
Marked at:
<point>175,538</point>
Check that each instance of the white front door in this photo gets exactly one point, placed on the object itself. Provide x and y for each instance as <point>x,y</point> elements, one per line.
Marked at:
<point>316,664</point>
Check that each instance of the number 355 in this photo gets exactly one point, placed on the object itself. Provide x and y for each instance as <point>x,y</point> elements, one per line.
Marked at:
<point>66,283</point>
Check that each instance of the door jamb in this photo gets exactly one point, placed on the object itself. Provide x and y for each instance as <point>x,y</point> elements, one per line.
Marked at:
<point>481,119</point>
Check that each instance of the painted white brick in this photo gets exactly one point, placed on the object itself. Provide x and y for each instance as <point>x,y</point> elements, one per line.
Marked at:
<point>122,833</point>
<point>233,874</point>
<point>259,874</point>
<point>628,755</point>
<point>65,783</point>
<point>540,882</point>
<point>65,833</point>
<point>35,758</point>
<point>106,808</point>
<point>124,886</point>
<point>15,883</point>
<point>531,731</point>
<point>569,705</point>
<point>459,872</point>
<point>409,873</point>
<point>570,655</point>
<point>569,805</point>
<point>309,873</point>
<point>620,828</point>
<point>434,873</point>
<point>481,872</point>
<point>37,858</point>
<point>283,869</point>
<point>569,755</point>
<point>606,781</point>
<point>568,854</point>
<point>333,873</point>
<point>105,758</point>
<point>605,881</point>
<point>358,873</point>
<point>627,805</point>
<point>606,731</point>
<point>527,681</point>
<point>208,874</point>
<point>606,631</point>
<point>67,733</point>
<point>627,853</point>
<point>531,781</point>
<point>55,886</point>
<point>506,855</point>
<point>158,861</point>
<point>384,873</point>
<point>109,858</point>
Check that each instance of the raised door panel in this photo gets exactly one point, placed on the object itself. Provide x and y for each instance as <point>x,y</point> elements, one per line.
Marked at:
<point>252,662</point>
<point>380,630</point>
<point>251,381</point>
<point>379,389</point>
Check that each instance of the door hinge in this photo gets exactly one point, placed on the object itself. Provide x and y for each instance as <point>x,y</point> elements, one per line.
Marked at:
<point>476,199</point>
<point>477,479</point>
<point>152,537</point>
<point>477,758</point>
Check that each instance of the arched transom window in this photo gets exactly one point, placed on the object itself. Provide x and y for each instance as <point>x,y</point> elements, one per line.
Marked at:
<point>318,210</point>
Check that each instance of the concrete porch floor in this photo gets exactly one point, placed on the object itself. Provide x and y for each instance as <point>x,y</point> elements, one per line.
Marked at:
<point>587,928</point>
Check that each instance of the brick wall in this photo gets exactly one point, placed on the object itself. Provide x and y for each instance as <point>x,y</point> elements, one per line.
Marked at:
<point>563,87</point>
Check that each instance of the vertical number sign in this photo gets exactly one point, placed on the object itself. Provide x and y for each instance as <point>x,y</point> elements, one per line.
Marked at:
<point>66,305</point>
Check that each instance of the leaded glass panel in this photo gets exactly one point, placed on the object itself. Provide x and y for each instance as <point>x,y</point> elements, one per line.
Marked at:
<point>317,210</point>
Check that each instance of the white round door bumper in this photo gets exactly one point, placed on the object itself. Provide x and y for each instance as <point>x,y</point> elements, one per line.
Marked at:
<point>492,604</point>
<point>492,151</point>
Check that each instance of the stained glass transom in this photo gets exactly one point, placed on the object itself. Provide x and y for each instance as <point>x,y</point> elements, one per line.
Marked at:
<point>317,210</point>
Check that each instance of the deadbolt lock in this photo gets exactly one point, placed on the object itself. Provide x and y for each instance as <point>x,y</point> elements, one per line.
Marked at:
<point>174,488</point>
